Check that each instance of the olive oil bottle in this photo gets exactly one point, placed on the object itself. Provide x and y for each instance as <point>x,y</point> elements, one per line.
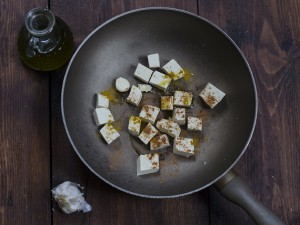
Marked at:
<point>45,43</point>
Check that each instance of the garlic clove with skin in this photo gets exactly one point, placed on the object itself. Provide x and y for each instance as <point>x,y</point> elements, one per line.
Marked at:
<point>69,198</point>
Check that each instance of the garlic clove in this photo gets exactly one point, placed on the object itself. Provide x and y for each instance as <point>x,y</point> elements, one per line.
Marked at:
<point>122,84</point>
<point>86,207</point>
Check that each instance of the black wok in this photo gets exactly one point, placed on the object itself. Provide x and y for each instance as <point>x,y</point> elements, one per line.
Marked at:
<point>113,50</point>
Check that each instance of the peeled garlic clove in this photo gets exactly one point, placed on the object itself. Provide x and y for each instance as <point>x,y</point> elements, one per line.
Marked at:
<point>122,84</point>
<point>69,198</point>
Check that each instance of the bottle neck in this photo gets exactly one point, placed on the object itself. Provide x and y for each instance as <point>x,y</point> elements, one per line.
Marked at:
<point>39,22</point>
<point>44,37</point>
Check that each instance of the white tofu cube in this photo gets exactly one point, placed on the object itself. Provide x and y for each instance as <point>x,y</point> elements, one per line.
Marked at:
<point>211,95</point>
<point>159,142</point>
<point>135,96</point>
<point>169,127</point>
<point>102,116</point>
<point>102,101</point>
<point>149,113</point>
<point>183,99</point>
<point>109,133</point>
<point>145,87</point>
<point>143,73</point>
<point>153,61</point>
<point>166,102</point>
<point>160,80</point>
<point>148,133</point>
<point>134,125</point>
<point>179,116</point>
<point>183,146</point>
<point>173,69</point>
<point>148,163</point>
<point>194,123</point>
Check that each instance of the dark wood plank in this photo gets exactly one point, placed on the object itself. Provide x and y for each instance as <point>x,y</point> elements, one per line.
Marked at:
<point>268,33</point>
<point>110,206</point>
<point>24,128</point>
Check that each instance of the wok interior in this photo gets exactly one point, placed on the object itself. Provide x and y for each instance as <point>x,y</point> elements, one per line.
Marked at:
<point>114,51</point>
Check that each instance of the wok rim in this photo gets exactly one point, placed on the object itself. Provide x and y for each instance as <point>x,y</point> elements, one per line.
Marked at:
<point>183,12</point>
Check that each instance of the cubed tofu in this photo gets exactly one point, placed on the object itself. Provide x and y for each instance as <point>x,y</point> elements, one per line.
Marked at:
<point>145,87</point>
<point>102,101</point>
<point>160,80</point>
<point>194,123</point>
<point>211,95</point>
<point>148,133</point>
<point>109,133</point>
<point>173,69</point>
<point>143,73</point>
<point>134,125</point>
<point>183,146</point>
<point>183,99</point>
<point>102,116</point>
<point>159,142</point>
<point>148,163</point>
<point>166,102</point>
<point>149,113</point>
<point>153,60</point>
<point>169,127</point>
<point>135,96</point>
<point>179,116</point>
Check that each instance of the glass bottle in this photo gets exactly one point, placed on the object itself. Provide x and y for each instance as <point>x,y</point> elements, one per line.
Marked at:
<point>45,43</point>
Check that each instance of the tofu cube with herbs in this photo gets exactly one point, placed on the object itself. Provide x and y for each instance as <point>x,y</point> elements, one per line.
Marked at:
<point>166,103</point>
<point>183,146</point>
<point>143,73</point>
<point>147,164</point>
<point>135,96</point>
<point>102,101</point>
<point>160,80</point>
<point>194,123</point>
<point>102,116</point>
<point>109,133</point>
<point>153,60</point>
<point>149,113</point>
<point>169,127</point>
<point>211,95</point>
<point>173,69</point>
<point>148,133</point>
<point>183,99</point>
<point>179,116</point>
<point>159,142</point>
<point>134,125</point>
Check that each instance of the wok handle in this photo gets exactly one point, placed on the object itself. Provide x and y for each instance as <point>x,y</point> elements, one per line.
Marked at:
<point>235,190</point>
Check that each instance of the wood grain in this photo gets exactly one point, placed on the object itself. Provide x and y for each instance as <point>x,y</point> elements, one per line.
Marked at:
<point>268,34</point>
<point>24,128</point>
<point>110,206</point>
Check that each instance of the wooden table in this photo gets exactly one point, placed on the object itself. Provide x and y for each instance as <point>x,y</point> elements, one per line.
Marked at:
<point>35,154</point>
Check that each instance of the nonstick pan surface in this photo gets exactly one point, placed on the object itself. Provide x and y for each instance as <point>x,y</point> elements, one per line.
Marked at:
<point>113,50</point>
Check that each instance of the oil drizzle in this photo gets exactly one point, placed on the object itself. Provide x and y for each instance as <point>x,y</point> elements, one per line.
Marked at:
<point>113,95</point>
<point>118,124</point>
<point>187,75</point>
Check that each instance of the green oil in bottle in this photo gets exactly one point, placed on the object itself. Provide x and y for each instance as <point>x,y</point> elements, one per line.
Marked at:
<point>45,43</point>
